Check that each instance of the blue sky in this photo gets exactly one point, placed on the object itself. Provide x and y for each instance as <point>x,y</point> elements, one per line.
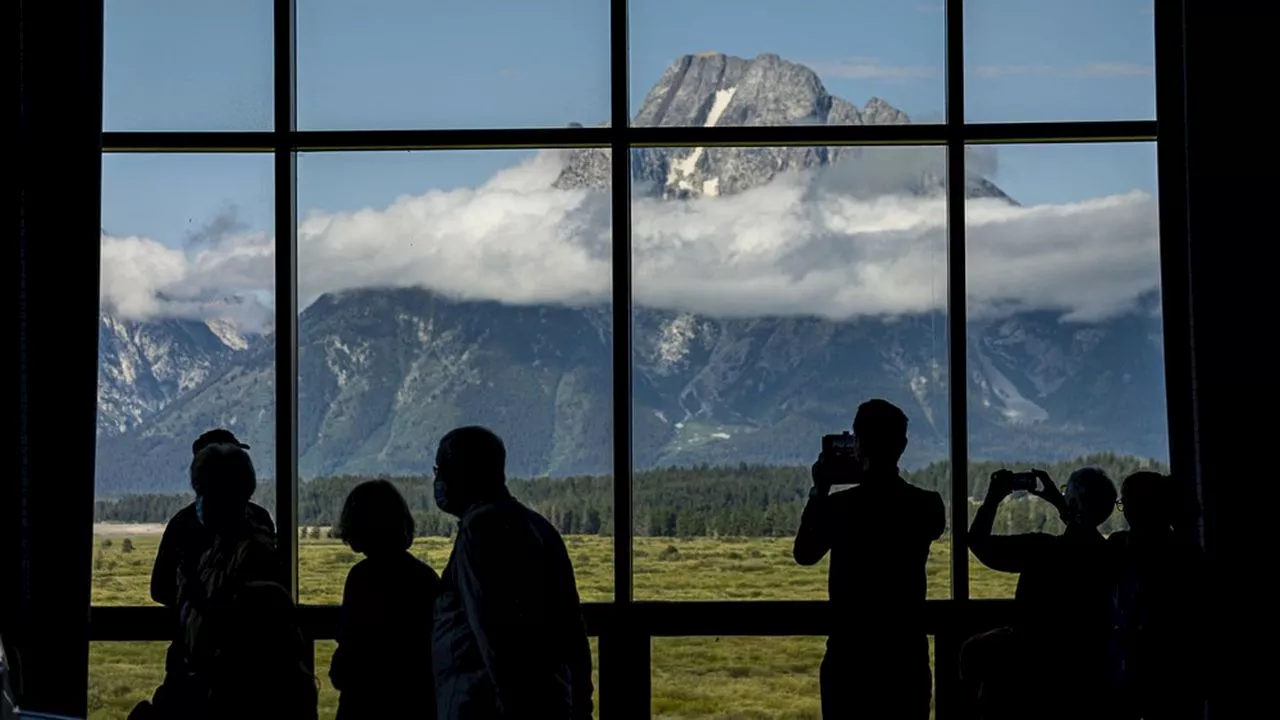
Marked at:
<point>195,65</point>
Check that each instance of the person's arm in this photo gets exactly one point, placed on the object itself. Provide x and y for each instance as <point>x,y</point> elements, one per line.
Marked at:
<point>580,667</point>
<point>493,582</point>
<point>812,541</point>
<point>340,668</point>
<point>1006,553</point>
<point>164,573</point>
<point>936,521</point>
<point>1049,492</point>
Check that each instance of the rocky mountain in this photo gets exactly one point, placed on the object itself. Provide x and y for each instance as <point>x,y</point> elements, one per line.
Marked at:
<point>384,372</point>
<point>145,365</point>
<point>710,89</point>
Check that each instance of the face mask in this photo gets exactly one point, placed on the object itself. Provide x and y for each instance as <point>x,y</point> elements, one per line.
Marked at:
<point>443,501</point>
<point>200,509</point>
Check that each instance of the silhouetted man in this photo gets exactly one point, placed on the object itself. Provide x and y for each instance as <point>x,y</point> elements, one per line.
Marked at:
<point>1160,601</point>
<point>1064,605</point>
<point>509,640</point>
<point>878,533</point>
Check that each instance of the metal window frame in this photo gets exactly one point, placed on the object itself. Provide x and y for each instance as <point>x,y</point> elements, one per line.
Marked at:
<point>625,626</point>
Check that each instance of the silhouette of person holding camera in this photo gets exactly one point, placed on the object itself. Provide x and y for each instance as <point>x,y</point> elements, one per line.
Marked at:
<point>1063,630</point>
<point>878,533</point>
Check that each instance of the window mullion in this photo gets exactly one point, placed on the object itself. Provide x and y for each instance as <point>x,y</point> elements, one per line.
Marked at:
<point>946,643</point>
<point>286,295</point>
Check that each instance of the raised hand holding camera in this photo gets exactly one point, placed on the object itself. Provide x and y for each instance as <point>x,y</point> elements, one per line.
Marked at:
<point>1005,482</point>
<point>838,463</point>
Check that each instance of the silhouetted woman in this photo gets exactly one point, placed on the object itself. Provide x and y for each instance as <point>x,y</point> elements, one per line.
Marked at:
<point>186,539</point>
<point>383,662</point>
<point>241,639</point>
<point>1159,599</point>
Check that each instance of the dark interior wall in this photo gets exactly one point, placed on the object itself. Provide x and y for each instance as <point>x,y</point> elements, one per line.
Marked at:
<point>1231,61</point>
<point>59,166</point>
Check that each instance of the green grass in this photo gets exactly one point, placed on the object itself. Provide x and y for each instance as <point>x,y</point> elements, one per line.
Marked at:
<point>699,677</point>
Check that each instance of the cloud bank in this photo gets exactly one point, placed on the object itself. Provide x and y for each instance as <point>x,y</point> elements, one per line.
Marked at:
<point>805,244</point>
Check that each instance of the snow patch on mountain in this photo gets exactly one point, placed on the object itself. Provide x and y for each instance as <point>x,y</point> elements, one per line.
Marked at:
<point>684,168</point>
<point>1013,405</point>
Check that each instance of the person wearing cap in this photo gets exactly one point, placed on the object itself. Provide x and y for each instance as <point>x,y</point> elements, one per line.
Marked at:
<point>202,670</point>
<point>186,539</point>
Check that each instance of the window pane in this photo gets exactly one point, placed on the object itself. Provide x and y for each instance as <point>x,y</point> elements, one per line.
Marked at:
<point>396,64</point>
<point>187,65</point>
<point>329,695</point>
<point>185,344</point>
<point>775,289</point>
<point>1032,60</point>
<point>1065,360</point>
<point>867,63</point>
<point>121,674</point>
<point>738,677</point>
<point>442,289</point>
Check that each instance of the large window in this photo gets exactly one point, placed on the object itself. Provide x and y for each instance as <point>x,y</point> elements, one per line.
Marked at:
<point>662,248</point>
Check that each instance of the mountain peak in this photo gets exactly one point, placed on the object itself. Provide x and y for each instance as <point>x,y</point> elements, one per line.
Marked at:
<point>880,112</point>
<point>772,91</point>
<point>711,89</point>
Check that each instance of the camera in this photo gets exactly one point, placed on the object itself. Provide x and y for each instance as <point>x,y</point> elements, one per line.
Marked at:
<point>840,459</point>
<point>838,446</point>
<point>1025,480</point>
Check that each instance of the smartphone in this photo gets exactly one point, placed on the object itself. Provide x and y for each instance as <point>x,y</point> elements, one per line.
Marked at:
<point>1025,481</point>
<point>836,445</point>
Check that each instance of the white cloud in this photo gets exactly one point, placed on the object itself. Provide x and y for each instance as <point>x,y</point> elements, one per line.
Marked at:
<point>869,68</point>
<point>803,244</point>
<point>1090,70</point>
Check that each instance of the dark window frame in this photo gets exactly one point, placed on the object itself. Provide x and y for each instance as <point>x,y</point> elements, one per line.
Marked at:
<point>625,625</point>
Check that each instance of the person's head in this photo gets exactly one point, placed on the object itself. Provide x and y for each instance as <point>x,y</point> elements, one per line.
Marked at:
<point>223,477</point>
<point>262,640</point>
<point>1149,501</point>
<point>880,434</point>
<point>375,519</point>
<point>471,467</point>
<point>217,436</point>
<point>1090,496</point>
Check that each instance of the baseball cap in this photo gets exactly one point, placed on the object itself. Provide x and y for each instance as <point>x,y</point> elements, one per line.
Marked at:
<point>217,436</point>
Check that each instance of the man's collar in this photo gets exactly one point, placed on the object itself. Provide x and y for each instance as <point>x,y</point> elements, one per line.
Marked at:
<point>502,495</point>
<point>884,476</point>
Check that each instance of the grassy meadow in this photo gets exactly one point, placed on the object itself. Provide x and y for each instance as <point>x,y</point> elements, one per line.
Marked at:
<point>700,677</point>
